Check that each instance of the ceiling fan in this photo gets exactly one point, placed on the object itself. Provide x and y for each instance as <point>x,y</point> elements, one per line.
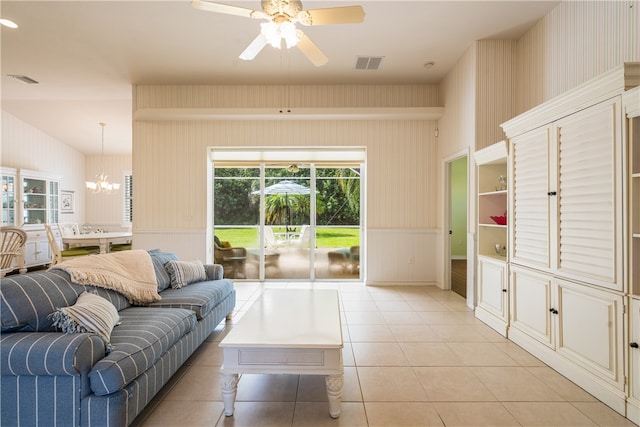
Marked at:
<point>282,16</point>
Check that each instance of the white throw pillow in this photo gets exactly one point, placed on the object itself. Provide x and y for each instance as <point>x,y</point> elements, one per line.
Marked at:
<point>184,272</point>
<point>90,313</point>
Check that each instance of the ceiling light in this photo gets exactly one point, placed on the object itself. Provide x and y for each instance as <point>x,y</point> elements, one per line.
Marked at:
<point>429,64</point>
<point>8,23</point>
<point>275,32</point>
<point>102,184</point>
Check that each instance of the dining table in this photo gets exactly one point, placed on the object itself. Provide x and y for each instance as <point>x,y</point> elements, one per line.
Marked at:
<point>103,239</point>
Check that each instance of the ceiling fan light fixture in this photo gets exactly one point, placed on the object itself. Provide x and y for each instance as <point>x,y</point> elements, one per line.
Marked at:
<point>275,32</point>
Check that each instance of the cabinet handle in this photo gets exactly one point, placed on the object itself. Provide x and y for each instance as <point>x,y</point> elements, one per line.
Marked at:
<point>633,345</point>
<point>553,310</point>
<point>504,290</point>
<point>551,193</point>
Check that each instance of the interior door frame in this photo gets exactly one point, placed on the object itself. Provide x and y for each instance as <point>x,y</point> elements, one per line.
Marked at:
<point>446,215</point>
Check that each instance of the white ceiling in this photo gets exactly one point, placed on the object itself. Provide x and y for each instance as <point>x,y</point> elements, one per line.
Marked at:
<point>87,54</point>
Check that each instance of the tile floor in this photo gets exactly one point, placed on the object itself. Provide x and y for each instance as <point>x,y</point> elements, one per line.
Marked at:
<point>413,356</point>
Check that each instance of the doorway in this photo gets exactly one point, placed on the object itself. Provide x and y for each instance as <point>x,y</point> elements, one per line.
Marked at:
<point>458,208</point>
<point>295,219</point>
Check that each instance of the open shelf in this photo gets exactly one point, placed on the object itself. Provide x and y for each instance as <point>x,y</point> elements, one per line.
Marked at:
<point>492,200</point>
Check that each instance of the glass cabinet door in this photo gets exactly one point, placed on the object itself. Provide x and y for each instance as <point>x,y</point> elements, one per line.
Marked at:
<point>34,199</point>
<point>8,199</point>
<point>54,202</point>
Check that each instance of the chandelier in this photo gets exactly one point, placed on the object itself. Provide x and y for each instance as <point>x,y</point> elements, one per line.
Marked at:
<point>102,184</point>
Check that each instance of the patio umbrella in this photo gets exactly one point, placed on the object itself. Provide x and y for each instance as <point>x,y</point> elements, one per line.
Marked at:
<point>285,187</point>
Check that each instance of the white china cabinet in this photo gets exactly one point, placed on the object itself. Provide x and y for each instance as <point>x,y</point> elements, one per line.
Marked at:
<point>30,199</point>
<point>40,205</point>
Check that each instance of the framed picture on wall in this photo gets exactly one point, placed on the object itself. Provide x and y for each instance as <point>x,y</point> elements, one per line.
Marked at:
<point>67,201</point>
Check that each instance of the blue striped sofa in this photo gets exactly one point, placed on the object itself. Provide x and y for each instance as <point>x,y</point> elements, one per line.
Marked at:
<point>54,379</point>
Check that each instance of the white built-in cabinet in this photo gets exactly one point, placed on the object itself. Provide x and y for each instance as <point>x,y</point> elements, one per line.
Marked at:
<point>566,210</point>
<point>572,264</point>
<point>492,291</point>
<point>583,324</point>
<point>31,199</point>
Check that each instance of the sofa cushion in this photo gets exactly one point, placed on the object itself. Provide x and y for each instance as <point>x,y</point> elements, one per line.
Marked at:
<point>200,297</point>
<point>27,300</point>
<point>183,273</point>
<point>159,259</point>
<point>142,337</point>
<point>90,313</point>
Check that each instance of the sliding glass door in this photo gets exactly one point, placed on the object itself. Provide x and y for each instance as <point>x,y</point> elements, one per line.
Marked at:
<point>287,221</point>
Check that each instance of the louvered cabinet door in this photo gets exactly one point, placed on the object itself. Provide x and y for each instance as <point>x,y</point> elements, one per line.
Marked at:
<point>529,216</point>
<point>589,230</point>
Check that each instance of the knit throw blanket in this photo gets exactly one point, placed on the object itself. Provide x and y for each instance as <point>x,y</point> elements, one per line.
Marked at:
<point>130,273</point>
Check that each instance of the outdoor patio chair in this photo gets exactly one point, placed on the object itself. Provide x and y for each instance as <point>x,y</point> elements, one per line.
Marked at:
<point>338,261</point>
<point>270,239</point>
<point>354,265</point>
<point>303,240</point>
<point>232,259</point>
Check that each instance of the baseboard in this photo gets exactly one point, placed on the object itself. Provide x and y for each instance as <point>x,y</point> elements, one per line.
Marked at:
<point>398,283</point>
<point>604,392</point>
<point>498,325</point>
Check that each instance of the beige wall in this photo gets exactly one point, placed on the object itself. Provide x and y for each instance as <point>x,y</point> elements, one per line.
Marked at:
<point>170,157</point>
<point>575,42</point>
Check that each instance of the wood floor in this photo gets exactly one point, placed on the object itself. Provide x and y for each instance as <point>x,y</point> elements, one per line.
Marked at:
<point>459,276</point>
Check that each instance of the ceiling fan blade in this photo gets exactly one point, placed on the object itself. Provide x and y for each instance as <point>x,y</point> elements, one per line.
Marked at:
<point>254,48</point>
<point>332,15</point>
<point>311,51</point>
<point>225,8</point>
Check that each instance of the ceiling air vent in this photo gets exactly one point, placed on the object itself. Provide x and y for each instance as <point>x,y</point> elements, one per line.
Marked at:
<point>368,62</point>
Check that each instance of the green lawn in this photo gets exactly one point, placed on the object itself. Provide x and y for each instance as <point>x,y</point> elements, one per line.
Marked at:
<point>325,237</point>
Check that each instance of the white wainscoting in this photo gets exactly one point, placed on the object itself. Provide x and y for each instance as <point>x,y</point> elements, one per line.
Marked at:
<point>394,257</point>
<point>401,256</point>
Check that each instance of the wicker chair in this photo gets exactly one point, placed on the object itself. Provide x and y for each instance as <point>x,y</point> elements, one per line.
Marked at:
<point>233,260</point>
<point>12,240</point>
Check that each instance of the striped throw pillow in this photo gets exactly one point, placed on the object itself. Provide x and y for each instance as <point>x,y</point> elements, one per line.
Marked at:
<point>184,272</point>
<point>90,313</point>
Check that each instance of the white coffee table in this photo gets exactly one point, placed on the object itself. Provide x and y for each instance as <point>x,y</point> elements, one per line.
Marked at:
<point>286,331</point>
